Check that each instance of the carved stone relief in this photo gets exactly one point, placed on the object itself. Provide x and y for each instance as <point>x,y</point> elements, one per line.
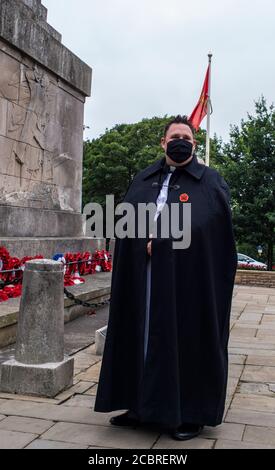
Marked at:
<point>34,169</point>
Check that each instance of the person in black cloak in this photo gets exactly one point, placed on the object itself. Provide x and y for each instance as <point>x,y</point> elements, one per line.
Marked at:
<point>165,359</point>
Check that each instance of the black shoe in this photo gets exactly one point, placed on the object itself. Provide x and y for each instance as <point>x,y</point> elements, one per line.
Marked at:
<point>187,431</point>
<point>126,419</point>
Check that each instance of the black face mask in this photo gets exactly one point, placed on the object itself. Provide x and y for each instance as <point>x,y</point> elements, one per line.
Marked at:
<point>179,150</point>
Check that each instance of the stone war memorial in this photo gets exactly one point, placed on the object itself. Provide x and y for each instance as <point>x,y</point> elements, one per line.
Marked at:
<point>43,88</point>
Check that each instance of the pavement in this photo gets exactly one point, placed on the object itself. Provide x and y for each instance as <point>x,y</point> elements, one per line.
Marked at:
<point>69,422</point>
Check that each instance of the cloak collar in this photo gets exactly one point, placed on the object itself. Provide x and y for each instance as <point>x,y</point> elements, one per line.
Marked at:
<point>194,168</point>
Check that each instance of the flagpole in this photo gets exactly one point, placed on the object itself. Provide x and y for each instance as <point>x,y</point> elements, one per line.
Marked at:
<point>207,153</point>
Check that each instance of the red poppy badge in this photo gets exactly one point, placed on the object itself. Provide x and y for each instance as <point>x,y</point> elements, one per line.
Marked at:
<point>184,197</point>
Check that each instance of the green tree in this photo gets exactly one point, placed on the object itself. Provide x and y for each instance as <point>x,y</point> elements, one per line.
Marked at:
<point>112,160</point>
<point>247,162</point>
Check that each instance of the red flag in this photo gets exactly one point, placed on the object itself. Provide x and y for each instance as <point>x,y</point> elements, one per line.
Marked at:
<point>200,110</point>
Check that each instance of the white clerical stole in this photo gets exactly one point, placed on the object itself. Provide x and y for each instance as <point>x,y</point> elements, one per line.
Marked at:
<point>162,197</point>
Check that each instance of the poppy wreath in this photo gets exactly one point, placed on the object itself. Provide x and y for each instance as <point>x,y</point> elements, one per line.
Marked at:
<point>106,261</point>
<point>75,265</point>
<point>102,261</point>
<point>70,263</point>
<point>15,266</point>
<point>86,264</point>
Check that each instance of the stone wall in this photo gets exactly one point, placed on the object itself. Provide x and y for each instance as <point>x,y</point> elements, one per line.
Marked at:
<point>255,278</point>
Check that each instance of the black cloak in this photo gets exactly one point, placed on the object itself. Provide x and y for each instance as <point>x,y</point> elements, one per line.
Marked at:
<point>184,378</point>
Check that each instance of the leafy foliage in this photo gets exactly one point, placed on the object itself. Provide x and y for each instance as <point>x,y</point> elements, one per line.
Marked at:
<point>247,163</point>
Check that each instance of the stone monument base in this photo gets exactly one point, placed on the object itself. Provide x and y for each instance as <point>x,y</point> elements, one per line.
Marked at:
<point>46,380</point>
<point>49,246</point>
<point>28,221</point>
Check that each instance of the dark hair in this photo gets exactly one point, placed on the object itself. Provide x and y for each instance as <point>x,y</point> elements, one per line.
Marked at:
<point>179,120</point>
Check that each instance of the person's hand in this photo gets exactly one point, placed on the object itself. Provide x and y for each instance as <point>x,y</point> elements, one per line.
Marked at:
<point>149,248</point>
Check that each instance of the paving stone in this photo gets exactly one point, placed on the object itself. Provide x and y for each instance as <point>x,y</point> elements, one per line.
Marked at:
<point>92,390</point>
<point>255,388</point>
<point>93,435</point>
<point>260,434</point>
<point>252,343</point>
<point>91,374</point>
<point>15,440</point>
<point>227,444</point>
<point>250,317</point>
<point>268,323</point>
<point>235,370</point>
<point>232,385</point>
<point>258,374</point>
<point>238,331</point>
<point>270,313</point>
<point>257,360</point>
<point>241,349</point>
<point>87,401</point>
<point>255,418</point>
<point>243,296</point>
<point>260,298</point>
<point>167,442</point>
<point>258,350</point>
<point>91,349</point>
<point>79,387</point>
<point>268,319</point>
<point>44,444</point>
<point>270,306</point>
<point>88,353</point>
<point>227,404</point>
<point>237,358</point>
<point>230,431</point>
<point>56,412</point>
<point>266,337</point>
<point>253,402</point>
<point>237,308</point>
<point>251,309</point>
<point>267,328</point>
<point>11,396</point>
<point>255,326</point>
<point>80,366</point>
<point>84,361</point>
<point>29,425</point>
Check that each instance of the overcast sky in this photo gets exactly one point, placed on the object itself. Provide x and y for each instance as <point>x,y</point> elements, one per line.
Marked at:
<point>149,57</point>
